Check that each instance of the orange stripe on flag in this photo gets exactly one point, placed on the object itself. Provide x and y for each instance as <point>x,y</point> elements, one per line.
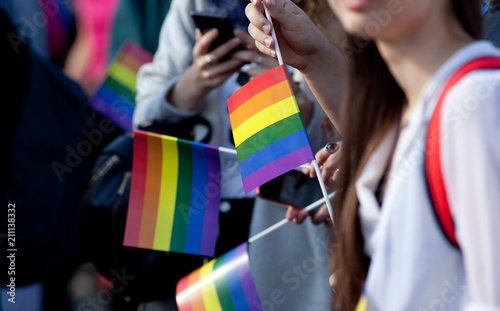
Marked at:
<point>152,192</point>
<point>260,101</point>
<point>272,77</point>
<point>197,297</point>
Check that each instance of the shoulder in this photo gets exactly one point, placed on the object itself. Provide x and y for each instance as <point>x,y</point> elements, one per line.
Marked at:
<point>475,94</point>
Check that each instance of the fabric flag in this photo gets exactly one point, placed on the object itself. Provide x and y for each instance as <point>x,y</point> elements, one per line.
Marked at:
<point>268,131</point>
<point>174,196</point>
<point>362,304</point>
<point>225,283</point>
<point>115,98</point>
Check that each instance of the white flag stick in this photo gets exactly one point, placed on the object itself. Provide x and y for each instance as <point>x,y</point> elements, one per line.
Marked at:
<point>283,222</point>
<point>323,189</point>
<point>316,167</point>
<point>276,46</point>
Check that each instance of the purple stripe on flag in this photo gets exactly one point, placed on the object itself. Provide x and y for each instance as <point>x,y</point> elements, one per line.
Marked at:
<point>113,106</point>
<point>277,168</point>
<point>247,278</point>
<point>211,222</point>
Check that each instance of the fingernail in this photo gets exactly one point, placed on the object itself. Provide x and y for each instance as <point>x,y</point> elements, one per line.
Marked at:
<point>266,28</point>
<point>267,42</point>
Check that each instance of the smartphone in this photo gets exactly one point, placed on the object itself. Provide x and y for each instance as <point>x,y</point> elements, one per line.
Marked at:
<point>206,21</point>
<point>292,188</point>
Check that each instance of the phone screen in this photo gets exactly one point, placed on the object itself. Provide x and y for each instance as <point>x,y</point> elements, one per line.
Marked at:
<point>292,188</point>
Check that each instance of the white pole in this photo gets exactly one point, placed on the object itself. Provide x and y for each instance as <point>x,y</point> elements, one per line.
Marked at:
<point>276,45</point>
<point>323,189</point>
<point>316,167</point>
<point>283,222</point>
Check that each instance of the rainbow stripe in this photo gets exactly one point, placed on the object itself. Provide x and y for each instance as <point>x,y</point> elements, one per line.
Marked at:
<point>268,131</point>
<point>115,98</point>
<point>362,304</point>
<point>175,195</point>
<point>225,283</point>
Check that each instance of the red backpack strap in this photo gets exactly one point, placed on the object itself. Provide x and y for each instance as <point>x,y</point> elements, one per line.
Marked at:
<point>433,169</point>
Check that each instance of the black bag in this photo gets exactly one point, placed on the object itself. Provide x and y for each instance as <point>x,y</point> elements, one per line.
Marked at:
<point>135,272</point>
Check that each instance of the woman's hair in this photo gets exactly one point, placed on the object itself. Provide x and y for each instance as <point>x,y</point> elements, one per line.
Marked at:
<point>372,106</point>
<point>324,18</point>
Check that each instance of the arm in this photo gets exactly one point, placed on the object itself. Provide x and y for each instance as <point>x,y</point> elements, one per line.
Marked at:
<point>471,169</point>
<point>304,47</point>
<point>173,57</point>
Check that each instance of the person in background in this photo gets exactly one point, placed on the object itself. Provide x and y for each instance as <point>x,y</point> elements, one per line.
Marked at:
<point>390,252</point>
<point>186,79</point>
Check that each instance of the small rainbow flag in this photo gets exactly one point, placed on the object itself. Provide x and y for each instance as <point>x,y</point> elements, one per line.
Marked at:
<point>174,196</point>
<point>225,283</point>
<point>362,304</point>
<point>115,98</point>
<point>268,131</point>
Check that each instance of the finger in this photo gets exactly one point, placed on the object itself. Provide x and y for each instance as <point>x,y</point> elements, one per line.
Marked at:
<point>225,48</point>
<point>257,18</point>
<point>263,42</point>
<point>322,155</point>
<point>301,216</point>
<point>202,46</point>
<point>292,213</point>
<point>321,215</point>
<point>306,171</point>
<point>217,73</point>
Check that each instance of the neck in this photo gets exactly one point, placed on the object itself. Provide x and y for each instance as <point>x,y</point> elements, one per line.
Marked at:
<point>413,59</point>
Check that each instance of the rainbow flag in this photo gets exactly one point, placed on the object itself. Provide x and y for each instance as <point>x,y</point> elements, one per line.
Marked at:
<point>268,131</point>
<point>174,196</point>
<point>225,283</point>
<point>362,304</point>
<point>115,98</point>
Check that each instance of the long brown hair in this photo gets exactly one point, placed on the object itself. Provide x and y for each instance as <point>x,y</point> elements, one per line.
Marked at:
<point>374,102</point>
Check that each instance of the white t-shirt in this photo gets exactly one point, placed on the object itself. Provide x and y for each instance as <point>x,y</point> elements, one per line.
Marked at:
<point>413,266</point>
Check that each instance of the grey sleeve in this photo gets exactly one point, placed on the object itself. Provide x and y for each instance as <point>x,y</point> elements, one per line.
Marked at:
<point>172,58</point>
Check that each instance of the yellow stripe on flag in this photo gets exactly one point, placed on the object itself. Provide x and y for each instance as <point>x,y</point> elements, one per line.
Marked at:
<point>260,101</point>
<point>362,304</point>
<point>208,290</point>
<point>264,118</point>
<point>168,191</point>
<point>123,75</point>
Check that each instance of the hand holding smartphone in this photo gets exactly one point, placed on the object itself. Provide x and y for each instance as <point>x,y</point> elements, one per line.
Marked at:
<point>206,21</point>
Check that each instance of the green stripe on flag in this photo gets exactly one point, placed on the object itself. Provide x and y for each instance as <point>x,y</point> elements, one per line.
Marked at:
<point>183,198</point>
<point>120,89</point>
<point>268,135</point>
<point>225,299</point>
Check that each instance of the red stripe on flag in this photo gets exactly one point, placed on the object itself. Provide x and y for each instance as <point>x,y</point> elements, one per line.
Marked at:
<point>255,86</point>
<point>138,185</point>
<point>183,304</point>
<point>137,52</point>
